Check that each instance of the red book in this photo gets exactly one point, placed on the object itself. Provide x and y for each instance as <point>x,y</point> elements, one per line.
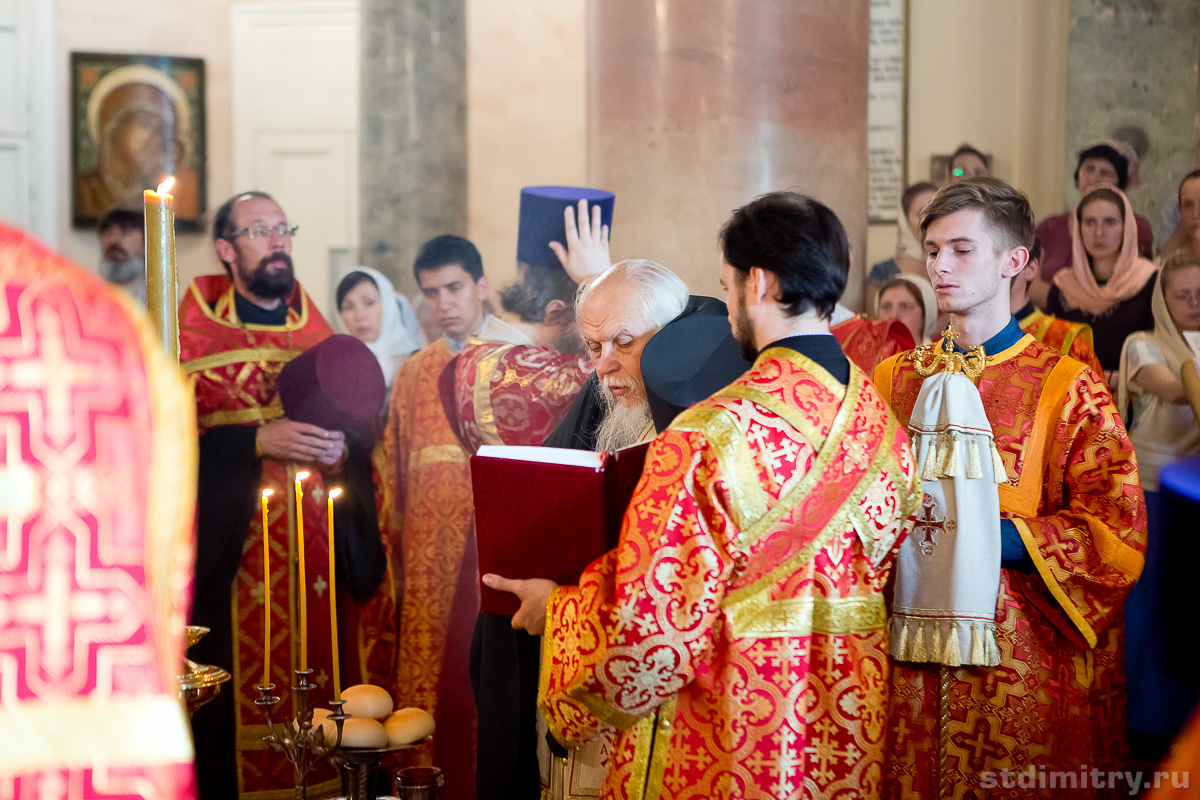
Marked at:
<point>547,512</point>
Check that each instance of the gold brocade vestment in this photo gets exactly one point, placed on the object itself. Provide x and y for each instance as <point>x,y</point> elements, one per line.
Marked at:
<point>735,636</point>
<point>1056,702</point>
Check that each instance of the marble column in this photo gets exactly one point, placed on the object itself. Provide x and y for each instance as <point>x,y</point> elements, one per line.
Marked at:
<point>413,149</point>
<point>1132,71</point>
<point>696,107</point>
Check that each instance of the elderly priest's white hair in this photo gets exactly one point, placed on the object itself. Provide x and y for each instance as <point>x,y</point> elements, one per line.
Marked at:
<point>661,294</point>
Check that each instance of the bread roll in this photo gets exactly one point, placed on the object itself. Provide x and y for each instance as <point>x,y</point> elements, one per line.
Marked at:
<point>408,725</point>
<point>327,727</point>
<point>366,700</point>
<point>360,732</point>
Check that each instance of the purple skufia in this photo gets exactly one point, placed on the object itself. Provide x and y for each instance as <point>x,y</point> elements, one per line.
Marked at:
<point>336,385</point>
<point>541,220</point>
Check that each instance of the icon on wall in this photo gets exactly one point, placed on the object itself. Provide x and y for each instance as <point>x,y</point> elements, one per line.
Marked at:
<point>134,120</point>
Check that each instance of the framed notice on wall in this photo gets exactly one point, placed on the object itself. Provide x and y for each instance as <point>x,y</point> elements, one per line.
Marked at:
<point>886,118</point>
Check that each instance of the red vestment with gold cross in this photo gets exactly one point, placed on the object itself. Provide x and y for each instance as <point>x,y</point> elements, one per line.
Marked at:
<point>97,490</point>
<point>234,367</point>
<point>1056,702</point>
<point>735,636</point>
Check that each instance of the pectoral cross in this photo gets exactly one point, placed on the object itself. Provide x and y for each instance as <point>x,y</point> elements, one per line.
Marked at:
<point>928,524</point>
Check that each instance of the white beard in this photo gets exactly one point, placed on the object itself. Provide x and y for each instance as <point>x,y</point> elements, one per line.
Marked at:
<point>623,425</point>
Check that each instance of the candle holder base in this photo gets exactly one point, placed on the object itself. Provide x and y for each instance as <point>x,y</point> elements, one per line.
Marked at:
<point>360,768</point>
<point>296,738</point>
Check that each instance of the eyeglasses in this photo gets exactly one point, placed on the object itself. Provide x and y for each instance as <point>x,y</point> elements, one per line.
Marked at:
<point>1185,297</point>
<point>263,231</point>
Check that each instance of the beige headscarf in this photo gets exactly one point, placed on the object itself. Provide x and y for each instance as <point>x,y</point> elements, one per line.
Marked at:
<point>1078,284</point>
<point>1166,335</point>
<point>928,301</point>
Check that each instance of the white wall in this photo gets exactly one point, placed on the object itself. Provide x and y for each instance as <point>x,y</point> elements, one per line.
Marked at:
<point>993,74</point>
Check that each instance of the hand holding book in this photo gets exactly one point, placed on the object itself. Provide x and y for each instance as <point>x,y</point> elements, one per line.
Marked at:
<point>534,595</point>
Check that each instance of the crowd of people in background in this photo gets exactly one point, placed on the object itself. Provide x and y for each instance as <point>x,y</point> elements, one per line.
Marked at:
<point>1093,287</point>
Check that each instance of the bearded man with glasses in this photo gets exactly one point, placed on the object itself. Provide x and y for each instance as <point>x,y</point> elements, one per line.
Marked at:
<point>236,332</point>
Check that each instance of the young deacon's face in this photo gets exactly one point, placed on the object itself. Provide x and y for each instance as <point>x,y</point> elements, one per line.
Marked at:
<point>966,271</point>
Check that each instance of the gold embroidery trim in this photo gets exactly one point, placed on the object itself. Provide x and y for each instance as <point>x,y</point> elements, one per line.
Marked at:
<point>639,768</point>
<point>240,356</point>
<point>138,730</point>
<point>1056,589</point>
<point>803,616</point>
<point>826,447</point>
<point>849,514</point>
<point>660,750</point>
<point>485,417</point>
<point>437,454</point>
<point>225,305</point>
<point>733,454</point>
<point>242,415</point>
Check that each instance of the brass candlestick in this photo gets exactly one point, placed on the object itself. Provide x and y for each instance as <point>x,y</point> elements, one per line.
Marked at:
<point>301,743</point>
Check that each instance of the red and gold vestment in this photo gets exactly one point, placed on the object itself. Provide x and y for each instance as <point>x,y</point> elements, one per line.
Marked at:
<point>869,342</point>
<point>234,367</point>
<point>97,494</point>
<point>1063,336</point>
<point>735,636</point>
<point>429,531</point>
<point>513,394</point>
<point>1057,700</point>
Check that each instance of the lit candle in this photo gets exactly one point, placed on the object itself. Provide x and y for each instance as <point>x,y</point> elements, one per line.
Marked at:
<point>303,581</point>
<point>337,676</point>
<point>266,594</point>
<point>160,265</point>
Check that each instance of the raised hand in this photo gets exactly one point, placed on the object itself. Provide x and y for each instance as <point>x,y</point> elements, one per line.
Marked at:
<point>586,253</point>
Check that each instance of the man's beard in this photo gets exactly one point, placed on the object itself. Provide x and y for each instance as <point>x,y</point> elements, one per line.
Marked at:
<point>270,284</point>
<point>623,425</point>
<point>743,331</point>
<point>123,271</point>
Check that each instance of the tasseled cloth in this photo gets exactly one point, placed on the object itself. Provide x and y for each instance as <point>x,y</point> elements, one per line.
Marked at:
<point>948,570</point>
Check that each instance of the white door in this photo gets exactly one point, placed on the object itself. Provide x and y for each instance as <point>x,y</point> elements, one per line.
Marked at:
<point>295,124</point>
<point>27,181</point>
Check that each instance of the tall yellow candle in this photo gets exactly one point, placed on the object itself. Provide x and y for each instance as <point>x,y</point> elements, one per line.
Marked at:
<point>337,675</point>
<point>161,274</point>
<point>266,593</point>
<point>303,580</point>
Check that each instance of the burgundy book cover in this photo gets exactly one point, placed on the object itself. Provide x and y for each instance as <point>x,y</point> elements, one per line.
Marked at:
<point>540,520</point>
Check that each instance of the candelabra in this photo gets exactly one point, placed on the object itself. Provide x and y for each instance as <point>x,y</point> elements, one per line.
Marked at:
<point>301,743</point>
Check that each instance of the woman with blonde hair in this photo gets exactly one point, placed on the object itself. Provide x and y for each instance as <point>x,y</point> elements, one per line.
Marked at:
<point>1151,398</point>
<point>1108,285</point>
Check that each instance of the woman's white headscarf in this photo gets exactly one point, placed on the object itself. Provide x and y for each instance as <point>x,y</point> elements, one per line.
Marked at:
<point>394,338</point>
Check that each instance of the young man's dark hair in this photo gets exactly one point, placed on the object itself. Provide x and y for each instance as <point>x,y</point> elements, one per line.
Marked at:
<point>538,287</point>
<point>1006,211</point>
<point>123,218</point>
<point>223,224</point>
<point>442,251</point>
<point>1110,154</point>
<point>798,239</point>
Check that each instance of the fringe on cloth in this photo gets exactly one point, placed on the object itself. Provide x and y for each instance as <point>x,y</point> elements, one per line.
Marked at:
<point>946,648</point>
<point>944,457</point>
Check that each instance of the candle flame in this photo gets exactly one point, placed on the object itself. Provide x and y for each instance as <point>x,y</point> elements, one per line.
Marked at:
<point>166,185</point>
<point>334,494</point>
<point>301,476</point>
<point>267,493</point>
